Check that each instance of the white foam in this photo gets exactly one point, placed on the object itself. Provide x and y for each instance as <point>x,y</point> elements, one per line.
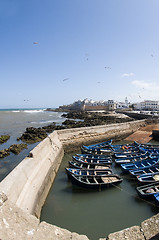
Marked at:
<point>34,111</point>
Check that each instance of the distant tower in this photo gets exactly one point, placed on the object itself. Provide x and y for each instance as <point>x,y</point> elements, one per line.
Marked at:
<point>126,101</point>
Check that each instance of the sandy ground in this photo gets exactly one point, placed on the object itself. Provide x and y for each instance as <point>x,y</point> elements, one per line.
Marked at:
<point>144,134</point>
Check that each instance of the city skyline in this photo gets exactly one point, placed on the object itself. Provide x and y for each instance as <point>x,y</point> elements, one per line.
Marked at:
<point>55,52</point>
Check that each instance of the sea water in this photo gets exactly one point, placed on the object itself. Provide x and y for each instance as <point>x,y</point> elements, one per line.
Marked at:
<point>13,122</point>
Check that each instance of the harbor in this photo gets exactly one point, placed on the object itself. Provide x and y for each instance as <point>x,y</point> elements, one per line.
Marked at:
<point>28,195</point>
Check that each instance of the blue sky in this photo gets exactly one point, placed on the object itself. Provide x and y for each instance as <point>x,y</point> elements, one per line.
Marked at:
<point>95,49</point>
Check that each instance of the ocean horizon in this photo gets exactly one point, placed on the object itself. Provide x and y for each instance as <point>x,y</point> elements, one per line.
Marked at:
<point>23,109</point>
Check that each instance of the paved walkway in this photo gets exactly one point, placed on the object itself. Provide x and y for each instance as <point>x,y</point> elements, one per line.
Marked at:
<point>144,134</point>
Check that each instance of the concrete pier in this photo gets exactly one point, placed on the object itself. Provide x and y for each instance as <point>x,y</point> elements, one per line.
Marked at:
<point>24,190</point>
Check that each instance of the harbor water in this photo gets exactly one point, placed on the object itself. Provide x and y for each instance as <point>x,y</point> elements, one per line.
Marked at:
<point>95,213</point>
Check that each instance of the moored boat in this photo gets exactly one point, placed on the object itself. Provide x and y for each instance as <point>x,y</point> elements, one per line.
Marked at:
<point>131,159</point>
<point>146,170</point>
<point>88,172</point>
<point>96,150</point>
<point>93,156</point>
<point>139,153</point>
<point>148,190</point>
<point>96,182</point>
<point>93,161</point>
<point>102,144</point>
<point>75,164</point>
<point>139,164</point>
<point>148,178</point>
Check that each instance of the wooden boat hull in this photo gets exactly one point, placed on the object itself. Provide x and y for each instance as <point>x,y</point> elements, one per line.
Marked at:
<point>148,178</point>
<point>74,164</point>
<point>139,164</point>
<point>102,144</point>
<point>130,160</point>
<point>147,170</point>
<point>92,156</point>
<point>148,190</point>
<point>92,161</point>
<point>88,172</point>
<point>85,149</point>
<point>95,182</point>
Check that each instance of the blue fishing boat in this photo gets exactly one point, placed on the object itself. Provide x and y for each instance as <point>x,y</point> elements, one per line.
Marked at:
<point>139,152</point>
<point>75,164</point>
<point>96,182</point>
<point>88,172</point>
<point>92,156</point>
<point>148,190</point>
<point>92,161</point>
<point>132,159</point>
<point>146,170</point>
<point>96,150</point>
<point>102,144</point>
<point>148,178</point>
<point>139,164</point>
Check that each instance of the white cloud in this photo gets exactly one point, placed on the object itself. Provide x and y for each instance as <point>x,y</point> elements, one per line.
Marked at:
<point>152,86</point>
<point>127,74</point>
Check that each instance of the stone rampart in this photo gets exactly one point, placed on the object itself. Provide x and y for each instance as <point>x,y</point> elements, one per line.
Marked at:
<point>24,190</point>
<point>28,184</point>
<point>75,137</point>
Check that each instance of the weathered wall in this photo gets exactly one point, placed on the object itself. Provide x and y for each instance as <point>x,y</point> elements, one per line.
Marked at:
<point>23,191</point>
<point>28,184</point>
<point>73,138</point>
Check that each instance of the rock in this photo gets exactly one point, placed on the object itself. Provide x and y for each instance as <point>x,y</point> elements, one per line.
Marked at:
<point>32,135</point>
<point>17,148</point>
<point>50,128</point>
<point>4,138</point>
<point>150,226</point>
<point>4,153</point>
<point>52,232</point>
<point>132,233</point>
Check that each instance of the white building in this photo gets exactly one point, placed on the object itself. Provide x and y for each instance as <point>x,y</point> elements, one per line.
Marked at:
<point>147,105</point>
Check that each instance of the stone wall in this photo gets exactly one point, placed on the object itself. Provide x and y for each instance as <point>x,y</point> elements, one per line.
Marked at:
<point>24,190</point>
<point>28,184</point>
<point>73,138</point>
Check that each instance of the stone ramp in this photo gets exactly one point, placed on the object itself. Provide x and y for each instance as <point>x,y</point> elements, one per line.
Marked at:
<point>144,134</point>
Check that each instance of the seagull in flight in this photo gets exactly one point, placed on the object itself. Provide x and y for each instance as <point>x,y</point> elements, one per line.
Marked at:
<point>107,67</point>
<point>65,79</point>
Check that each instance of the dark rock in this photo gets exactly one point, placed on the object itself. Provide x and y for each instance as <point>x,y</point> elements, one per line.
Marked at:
<point>17,148</point>
<point>4,138</point>
<point>4,153</point>
<point>32,135</point>
<point>50,128</point>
